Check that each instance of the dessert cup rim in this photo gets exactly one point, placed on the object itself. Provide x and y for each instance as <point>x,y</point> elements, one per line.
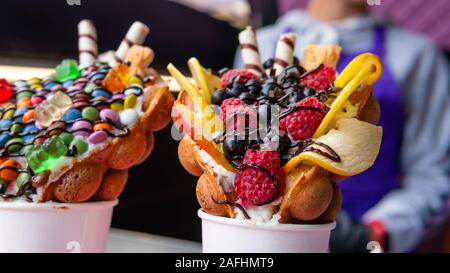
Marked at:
<point>249,224</point>
<point>20,205</point>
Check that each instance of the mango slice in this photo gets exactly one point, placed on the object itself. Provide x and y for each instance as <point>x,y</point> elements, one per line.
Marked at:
<point>204,79</point>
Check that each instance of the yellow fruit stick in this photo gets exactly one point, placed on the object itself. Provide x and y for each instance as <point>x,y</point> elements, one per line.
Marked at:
<point>200,77</point>
<point>186,85</point>
<point>363,70</point>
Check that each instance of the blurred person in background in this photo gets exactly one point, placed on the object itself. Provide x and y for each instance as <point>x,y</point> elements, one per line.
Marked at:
<point>394,201</point>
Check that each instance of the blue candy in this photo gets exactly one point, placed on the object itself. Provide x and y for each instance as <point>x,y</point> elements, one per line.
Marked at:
<point>5,123</point>
<point>97,76</point>
<point>101,93</point>
<point>50,85</point>
<point>29,128</point>
<point>3,139</point>
<point>68,83</point>
<point>28,139</point>
<point>72,114</point>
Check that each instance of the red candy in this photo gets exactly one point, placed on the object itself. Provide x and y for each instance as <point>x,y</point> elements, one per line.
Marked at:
<point>6,90</point>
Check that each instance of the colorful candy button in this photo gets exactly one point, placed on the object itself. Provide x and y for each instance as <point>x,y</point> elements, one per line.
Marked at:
<point>22,178</point>
<point>28,116</point>
<point>82,128</point>
<point>5,124</point>
<point>72,114</point>
<point>35,100</point>
<point>16,128</point>
<point>128,117</point>
<point>101,93</point>
<point>103,126</point>
<point>9,170</point>
<point>109,114</point>
<point>130,101</point>
<point>136,80</point>
<point>134,89</point>
<point>4,138</point>
<point>80,145</point>
<point>117,106</point>
<point>14,145</point>
<point>66,138</point>
<point>9,113</point>
<point>24,94</point>
<point>90,113</point>
<point>24,102</point>
<point>98,137</point>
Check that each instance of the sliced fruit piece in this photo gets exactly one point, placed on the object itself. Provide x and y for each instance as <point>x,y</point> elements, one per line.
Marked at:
<point>362,71</point>
<point>356,142</point>
<point>186,85</point>
<point>204,78</point>
<point>197,129</point>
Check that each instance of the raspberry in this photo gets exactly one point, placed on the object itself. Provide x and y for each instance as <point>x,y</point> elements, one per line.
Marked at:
<point>233,105</point>
<point>6,90</point>
<point>320,79</point>
<point>261,180</point>
<point>302,124</point>
<point>228,76</point>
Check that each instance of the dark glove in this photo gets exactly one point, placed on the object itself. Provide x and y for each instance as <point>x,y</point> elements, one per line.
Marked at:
<point>350,235</point>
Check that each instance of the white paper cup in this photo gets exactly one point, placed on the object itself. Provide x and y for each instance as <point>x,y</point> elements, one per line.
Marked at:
<point>221,234</point>
<point>55,227</point>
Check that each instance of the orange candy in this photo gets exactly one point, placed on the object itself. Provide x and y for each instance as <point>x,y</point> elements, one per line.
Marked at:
<point>102,126</point>
<point>117,78</point>
<point>9,170</point>
<point>24,102</point>
<point>28,116</point>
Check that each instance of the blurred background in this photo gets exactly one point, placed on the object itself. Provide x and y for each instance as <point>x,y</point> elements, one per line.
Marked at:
<point>160,196</point>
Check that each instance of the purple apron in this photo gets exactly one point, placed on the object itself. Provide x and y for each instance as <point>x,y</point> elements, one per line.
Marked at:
<point>363,191</point>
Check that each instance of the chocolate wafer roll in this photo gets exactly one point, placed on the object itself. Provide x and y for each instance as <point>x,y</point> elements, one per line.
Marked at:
<point>284,53</point>
<point>87,43</point>
<point>135,36</point>
<point>249,51</point>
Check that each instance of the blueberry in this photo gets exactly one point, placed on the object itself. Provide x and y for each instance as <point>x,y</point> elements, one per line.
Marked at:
<point>254,89</point>
<point>284,143</point>
<point>308,92</point>
<point>295,97</point>
<point>268,89</point>
<point>218,97</point>
<point>269,63</point>
<point>236,90</point>
<point>234,148</point>
<point>247,97</point>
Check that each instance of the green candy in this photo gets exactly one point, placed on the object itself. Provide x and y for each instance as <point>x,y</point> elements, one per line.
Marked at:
<point>27,150</point>
<point>66,138</point>
<point>41,155</point>
<point>24,94</point>
<point>67,70</point>
<point>80,145</point>
<point>55,146</point>
<point>90,113</point>
<point>22,178</point>
<point>89,87</point>
<point>135,80</point>
<point>15,128</point>
<point>14,145</point>
<point>33,161</point>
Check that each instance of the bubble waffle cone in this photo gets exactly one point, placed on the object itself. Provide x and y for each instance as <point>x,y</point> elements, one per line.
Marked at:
<point>326,132</point>
<point>81,129</point>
